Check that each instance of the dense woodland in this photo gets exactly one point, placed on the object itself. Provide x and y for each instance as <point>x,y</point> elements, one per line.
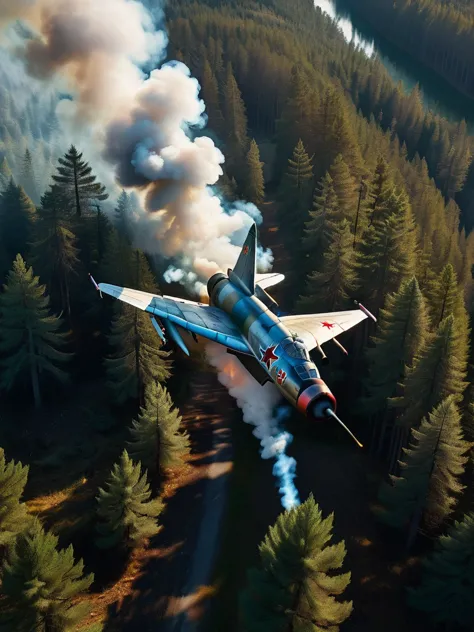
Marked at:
<point>438,33</point>
<point>367,190</point>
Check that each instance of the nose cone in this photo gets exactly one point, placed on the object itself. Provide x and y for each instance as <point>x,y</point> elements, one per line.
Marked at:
<point>315,400</point>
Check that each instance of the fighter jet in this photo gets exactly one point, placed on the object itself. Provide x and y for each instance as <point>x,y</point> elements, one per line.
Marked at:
<point>241,317</point>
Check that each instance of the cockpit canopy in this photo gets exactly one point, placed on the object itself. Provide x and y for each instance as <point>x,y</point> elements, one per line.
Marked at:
<point>296,349</point>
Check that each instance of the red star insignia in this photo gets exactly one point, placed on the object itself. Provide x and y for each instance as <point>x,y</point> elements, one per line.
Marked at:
<point>281,376</point>
<point>245,250</point>
<point>328,325</point>
<point>268,355</point>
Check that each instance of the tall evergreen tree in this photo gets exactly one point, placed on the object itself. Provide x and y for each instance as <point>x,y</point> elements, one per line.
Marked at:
<point>75,177</point>
<point>295,196</point>
<point>235,117</point>
<point>30,340</point>
<point>5,174</point>
<point>295,587</point>
<point>210,94</point>
<point>328,290</point>
<point>429,484</point>
<point>254,186</point>
<point>137,358</point>
<point>54,251</point>
<point>345,188</point>
<point>157,440</point>
<point>436,374</point>
<point>28,177</point>
<point>126,514</point>
<point>118,262</point>
<point>17,215</point>
<point>41,583</point>
<point>122,216</point>
<point>402,328</point>
<point>13,513</point>
<point>446,592</point>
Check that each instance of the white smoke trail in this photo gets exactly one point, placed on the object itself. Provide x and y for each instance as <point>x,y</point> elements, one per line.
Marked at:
<point>142,123</point>
<point>258,404</point>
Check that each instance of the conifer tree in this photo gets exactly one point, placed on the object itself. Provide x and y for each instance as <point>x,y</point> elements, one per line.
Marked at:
<point>402,328</point>
<point>157,441</point>
<point>445,297</point>
<point>380,188</point>
<point>436,373</point>
<point>429,484</point>
<point>345,189</point>
<point>137,358</point>
<point>54,251</point>
<point>28,177</point>
<point>210,94</point>
<point>126,514</point>
<point>13,513</point>
<point>235,117</point>
<point>328,290</point>
<point>17,215</point>
<point>75,177</point>
<point>30,340</point>
<point>295,587</point>
<point>295,195</point>
<point>320,225</point>
<point>118,262</point>
<point>447,587</point>
<point>254,186</point>
<point>41,583</point>
<point>5,174</point>
<point>122,216</point>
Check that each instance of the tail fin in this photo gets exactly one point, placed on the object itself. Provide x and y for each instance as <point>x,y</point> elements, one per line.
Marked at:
<point>244,271</point>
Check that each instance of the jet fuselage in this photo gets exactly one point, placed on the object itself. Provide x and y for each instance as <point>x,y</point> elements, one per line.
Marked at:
<point>284,357</point>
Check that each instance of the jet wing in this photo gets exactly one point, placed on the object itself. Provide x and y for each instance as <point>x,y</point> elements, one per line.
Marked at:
<point>319,328</point>
<point>203,320</point>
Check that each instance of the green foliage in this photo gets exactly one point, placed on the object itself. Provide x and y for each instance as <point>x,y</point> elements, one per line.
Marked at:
<point>210,94</point>
<point>123,217</point>
<point>54,251</point>
<point>17,215</point>
<point>330,289</point>
<point>116,266</point>
<point>254,183</point>
<point>447,586</point>
<point>13,513</point>
<point>40,584</point>
<point>30,338</point>
<point>296,586</point>
<point>345,188</point>
<point>320,225</point>
<point>126,514</point>
<point>157,440</point>
<point>76,179</point>
<point>429,483</point>
<point>437,372</point>
<point>28,177</point>
<point>5,174</point>
<point>402,329</point>
<point>235,117</point>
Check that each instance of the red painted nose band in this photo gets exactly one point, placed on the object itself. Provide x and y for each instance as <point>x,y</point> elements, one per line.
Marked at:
<point>313,392</point>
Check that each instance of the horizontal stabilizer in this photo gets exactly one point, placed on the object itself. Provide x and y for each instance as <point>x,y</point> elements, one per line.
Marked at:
<point>267,280</point>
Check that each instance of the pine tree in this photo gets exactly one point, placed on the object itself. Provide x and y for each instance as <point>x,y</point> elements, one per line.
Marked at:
<point>41,583</point>
<point>122,216</point>
<point>54,251</point>
<point>75,177</point>
<point>436,374</point>
<point>30,341</point>
<point>345,189</point>
<point>328,290</point>
<point>13,513</point>
<point>28,177</point>
<point>445,297</point>
<point>126,514</point>
<point>157,440</point>
<point>5,174</point>
<point>254,184</point>
<point>210,94</point>
<point>320,225</point>
<point>380,188</point>
<point>17,215</point>
<point>295,195</point>
<point>295,587</point>
<point>118,261</point>
<point>429,483</point>
<point>402,328</point>
<point>235,118</point>
<point>137,359</point>
<point>446,592</point>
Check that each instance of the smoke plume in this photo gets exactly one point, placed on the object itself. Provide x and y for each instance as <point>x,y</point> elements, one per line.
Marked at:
<point>260,408</point>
